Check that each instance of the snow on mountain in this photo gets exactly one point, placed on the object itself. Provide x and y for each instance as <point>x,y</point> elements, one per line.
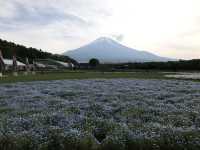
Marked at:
<point>110,51</point>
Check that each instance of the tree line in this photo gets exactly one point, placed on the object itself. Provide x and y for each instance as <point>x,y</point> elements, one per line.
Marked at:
<point>9,49</point>
<point>181,65</point>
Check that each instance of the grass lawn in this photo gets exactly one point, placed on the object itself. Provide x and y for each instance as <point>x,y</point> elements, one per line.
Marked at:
<point>80,75</point>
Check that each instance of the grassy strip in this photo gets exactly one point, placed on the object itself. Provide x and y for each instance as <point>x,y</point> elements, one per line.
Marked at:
<point>44,76</point>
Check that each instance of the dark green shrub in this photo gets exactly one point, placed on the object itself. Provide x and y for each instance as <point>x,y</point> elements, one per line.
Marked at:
<point>26,143</point>
<point>88,142</point>
<point>54,140</point>
<point>110,143</point>
<point>71,142</point>
<point>7,143</point>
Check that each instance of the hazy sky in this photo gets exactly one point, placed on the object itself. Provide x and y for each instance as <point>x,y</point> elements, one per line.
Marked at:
<point>168,28</point>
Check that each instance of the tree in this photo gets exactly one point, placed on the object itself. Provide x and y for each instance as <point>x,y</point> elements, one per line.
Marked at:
<point>94,62</point>
<point>23,52</point>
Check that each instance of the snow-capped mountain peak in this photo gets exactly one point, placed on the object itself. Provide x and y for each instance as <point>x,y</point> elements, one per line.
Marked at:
<point>110,51</point>
<point>104,39</point>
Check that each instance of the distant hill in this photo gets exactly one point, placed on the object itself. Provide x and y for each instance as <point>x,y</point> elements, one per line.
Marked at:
<point>22,52</point>
<point>110,51</point>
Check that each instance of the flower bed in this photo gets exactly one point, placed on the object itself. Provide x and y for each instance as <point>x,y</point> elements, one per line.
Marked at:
<point>100,114</point>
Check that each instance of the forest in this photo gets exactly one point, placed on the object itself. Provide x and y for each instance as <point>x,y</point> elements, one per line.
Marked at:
<point>9,49</point>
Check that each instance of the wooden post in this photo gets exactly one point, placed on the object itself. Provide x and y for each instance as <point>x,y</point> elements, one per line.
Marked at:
<point>27,67</point>
<point>2,65</point>
<point>33,68</point>
<point>15,65</point>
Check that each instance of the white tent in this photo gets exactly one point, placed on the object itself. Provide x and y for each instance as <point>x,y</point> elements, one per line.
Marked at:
<point>9,62</point>
<point>65,64</point>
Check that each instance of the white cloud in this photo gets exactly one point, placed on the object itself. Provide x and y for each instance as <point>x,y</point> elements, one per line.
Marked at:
<point>168,28</point>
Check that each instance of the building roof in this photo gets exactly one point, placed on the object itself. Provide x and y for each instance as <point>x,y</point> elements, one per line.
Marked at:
<point>65,64</point>
<point>40,65</point>
<point>10,62</point>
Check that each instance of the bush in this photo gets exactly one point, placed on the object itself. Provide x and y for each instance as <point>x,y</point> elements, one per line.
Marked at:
<point>94,62</point>
<point>7,143</point>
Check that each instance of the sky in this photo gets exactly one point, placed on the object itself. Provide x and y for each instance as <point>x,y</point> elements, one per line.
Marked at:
<point>169,28</point>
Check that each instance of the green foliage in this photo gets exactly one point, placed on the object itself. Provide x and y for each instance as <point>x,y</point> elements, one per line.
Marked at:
<point>7,143</point>
<point>57,141</point>
<point>94,62</point>
<point>71,142</point>
<point>22,52</point>
<point>181,65</point>
<point>171,65</point>
<point>26,143</point>
<point>88,142</point>
<point>48,76</point>
<point>5,110</point>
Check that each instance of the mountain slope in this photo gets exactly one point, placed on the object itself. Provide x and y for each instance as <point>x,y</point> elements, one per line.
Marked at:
<point>108,50</point>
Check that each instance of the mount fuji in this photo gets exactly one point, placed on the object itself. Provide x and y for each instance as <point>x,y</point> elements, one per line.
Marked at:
<point>110,51</point>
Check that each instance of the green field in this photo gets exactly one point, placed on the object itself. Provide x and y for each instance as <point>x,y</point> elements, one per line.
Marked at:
<point>44,76</point>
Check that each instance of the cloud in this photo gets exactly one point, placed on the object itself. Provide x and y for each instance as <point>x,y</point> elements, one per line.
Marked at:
<point>25,16</point>
<point>118,37</point>
<point>50,24</point>
<point>59,25</point>
<point>183,47</point>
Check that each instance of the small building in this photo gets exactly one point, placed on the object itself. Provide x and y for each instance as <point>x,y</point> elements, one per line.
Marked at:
<point>50,64</point>
<point>66,64</point>
<point>9,64</point>
<point>39,65</point>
